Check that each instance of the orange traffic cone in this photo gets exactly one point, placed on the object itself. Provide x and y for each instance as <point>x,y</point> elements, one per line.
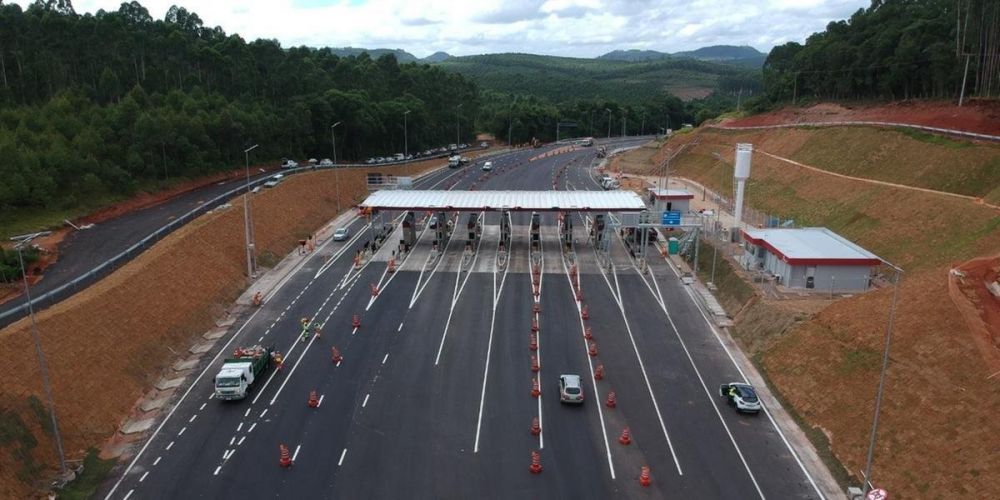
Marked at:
<point>536,307</point>
<point>257,299</point>
<point>535,390</point>
<point>392,265</point>
<point>374,290</point>
<point>534,363</point>
<point>579,294</point>
<point>534,342</point>
<point>593,349</point>
<point>612,400</point>
<point>335,355</point>
<point>313,399</point>
<point>585,312</point>
<point>599,372</point>
<point>286,459</point>
<point>536,463</point>
<point>587,334</point>
<point>534,325</point>
<point>644,476</point>
<point>356,321</point>
<point>626,437</point>
<point>536,428</point>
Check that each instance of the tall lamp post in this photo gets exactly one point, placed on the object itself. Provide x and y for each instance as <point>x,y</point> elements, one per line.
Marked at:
<point>43,367</point>
<point>336,169</point>
<point>248,219</point>
<point>881,380</point>
<point>406,144</point>
<point>510,122</point>
<point>458,124</point>
<point>609,121</point>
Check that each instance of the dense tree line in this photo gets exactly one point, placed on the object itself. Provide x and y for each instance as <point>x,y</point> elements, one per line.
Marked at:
<point>895,49</point>
<point>96,105</point>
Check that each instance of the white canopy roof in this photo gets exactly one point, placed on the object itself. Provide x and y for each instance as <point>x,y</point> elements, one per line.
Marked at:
<point>531,201</point>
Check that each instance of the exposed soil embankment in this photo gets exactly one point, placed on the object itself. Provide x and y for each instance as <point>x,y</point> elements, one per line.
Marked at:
<point>108,344</point>
<point>938,428</point>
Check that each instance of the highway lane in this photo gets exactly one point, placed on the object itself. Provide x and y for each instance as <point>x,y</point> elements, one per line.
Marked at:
<point>393,422</point>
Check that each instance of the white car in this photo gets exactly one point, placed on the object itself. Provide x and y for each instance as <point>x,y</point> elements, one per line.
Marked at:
<point>325,162</point>
<point>341,234</point>
<point>488,166</point>
<point>286,163</point>
<point>274,181</point>
<point>742,396</point>
<point>570,389</point>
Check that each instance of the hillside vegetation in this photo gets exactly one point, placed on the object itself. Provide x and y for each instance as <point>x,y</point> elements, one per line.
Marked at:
<point>939,423</point>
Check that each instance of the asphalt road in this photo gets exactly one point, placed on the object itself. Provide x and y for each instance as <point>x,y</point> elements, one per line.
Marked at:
<point>433,396</point>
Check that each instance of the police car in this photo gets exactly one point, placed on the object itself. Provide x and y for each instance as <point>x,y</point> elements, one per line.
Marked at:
<point>742,396</point>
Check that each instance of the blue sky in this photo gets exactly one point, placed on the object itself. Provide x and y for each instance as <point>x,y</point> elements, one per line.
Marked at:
<point>574,28</point>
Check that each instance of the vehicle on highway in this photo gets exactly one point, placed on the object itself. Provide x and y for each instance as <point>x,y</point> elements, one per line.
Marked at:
<point>325,162</point>
<point>452,147</point>
<point>313,162</point>
<point>484,144</point>
<point>487,166</point>
<point>742,396</point>
<point>240,372</point>
<point>399,157</point>
<point>463,146</point>
<point>454,161</point>
<point>570,389</point>
<point>286,163</point>
<point>370,161</point>
<point>341,234</point>
<point>275,180</point>
<point>433,222</point>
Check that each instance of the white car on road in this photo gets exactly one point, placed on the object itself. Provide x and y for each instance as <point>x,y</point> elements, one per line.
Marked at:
<point>488,166</point>
<point>742,396</point>
<point>341,234</point>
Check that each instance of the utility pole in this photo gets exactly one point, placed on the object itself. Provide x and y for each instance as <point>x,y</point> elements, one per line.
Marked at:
<point>510,122</point>
<point>609,121</point>
<point>406,144</point>
<point>336,169</point>
<point>458,125</point>
<point>248,220</point>
<point>43,367</point>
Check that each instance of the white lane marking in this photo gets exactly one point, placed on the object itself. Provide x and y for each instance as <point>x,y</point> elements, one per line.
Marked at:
<point>363,404</point>
<point>127,495</point>
<point>157,460</point>
<point>211,396</point>
<point>247,413</point>
<point>489,351</point>
<point>342,454</point>
<point>171,445</point>
<point>229,454</point>
<point>251,427</point>
<point>182,431</point>
<point>320,402</point>
<point>457,293</point>
<point>296,454</point>
<point>239,427</point>
<point>263,413</point>
<point>385,358</point>
<point>292,372</point>
<point>261,339</point>
<point>400,327</point>
<point>232,440</point>
<point>217,469</point>
<point>241,439</point>
<point>192,418</point>
<point>143,478</point>
<point>336,256</point>
<point>202,406</point>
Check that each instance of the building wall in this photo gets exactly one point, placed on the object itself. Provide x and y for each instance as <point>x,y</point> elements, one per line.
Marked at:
<point>842,278</point>
<point>683,206</point>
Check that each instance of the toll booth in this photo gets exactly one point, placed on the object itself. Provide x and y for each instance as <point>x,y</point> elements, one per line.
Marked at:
<point>475,230</point>
<point>504,230</point>
<point>536,228</point>
<point>440,229</point>
<point>597,232</point>
<point>566,231</point>
<point>409,232</point>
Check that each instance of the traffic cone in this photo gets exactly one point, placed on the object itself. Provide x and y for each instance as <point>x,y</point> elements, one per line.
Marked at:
<point>534,342</point>
<point>585,312</point>
<point>599,372</point>
<point>286,459</point>
<point>335,355</point>
<point>257,299</point>
<point>593,349</point>
<point>536,308</point>
<point>579,294</point>
<point>644,479</point>
<point>536,463</point>
<point>313,399</point>
<point>535,280</point>
<point>534,325</point>
<point>305,322</point>
<point>356,321</point>
<point>612,400</point>
<point>536,428</point>
<point>392,265</point>
<point>534,363</point>
<point>317,331</point>
<point>587,334</point>
<point>535,390</point>
<point>374,290</point>
<point>626,437</point>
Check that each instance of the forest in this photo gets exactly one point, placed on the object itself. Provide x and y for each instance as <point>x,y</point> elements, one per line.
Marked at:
<point>895,49</point>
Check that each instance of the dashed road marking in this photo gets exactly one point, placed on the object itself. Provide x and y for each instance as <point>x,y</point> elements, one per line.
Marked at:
<point>296,454</point>
<point>232,440</point>
<point>157,460</point>
<point>263,413</point>
<point>143,478</point>
<point>181,433</point>
<point>241,440</point>
<point>385,358</point>
<point>239,427</point>
<point>342,454</point>
<point>251,428</point>
<point>192,418</point>
<point>363,404</point>
<point>247,413</point>
<point>318,404</point>
<point>202,406</point>
<point>127,495</point>
<point>217,469</point>
<point>171,445</point>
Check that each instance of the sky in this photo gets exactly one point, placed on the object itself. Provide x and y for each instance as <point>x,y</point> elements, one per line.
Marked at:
<point>572,28</point>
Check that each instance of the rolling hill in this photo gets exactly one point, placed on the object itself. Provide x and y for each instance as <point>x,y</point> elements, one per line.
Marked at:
<point>726,54</point>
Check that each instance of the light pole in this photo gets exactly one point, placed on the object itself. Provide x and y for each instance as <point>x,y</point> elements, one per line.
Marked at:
<point>609,121</point>
<point>336,169</point>
<point>248,221</point>
<point>458,125</point>
<point>43,367</point>
<point>406,144</point>
<point>881,380</point>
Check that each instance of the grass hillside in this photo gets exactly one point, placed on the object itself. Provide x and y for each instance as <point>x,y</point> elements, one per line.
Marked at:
<point>938,424</point>
<point>559,78</point>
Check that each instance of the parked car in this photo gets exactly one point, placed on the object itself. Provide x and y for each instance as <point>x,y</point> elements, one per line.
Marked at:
<point>341,234</point>
<point>286,163</point>
<point>325,162</point>
<point>399,157</point>
<point>487,166</point>
<point>370,161</point>
<point>275,180</point>
<point>452,147</point>
<point>570,389</point>
<point>313,162</point>
<point>484,144</point>
<point>742,396</point>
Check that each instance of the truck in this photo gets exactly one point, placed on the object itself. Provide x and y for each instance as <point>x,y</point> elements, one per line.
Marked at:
<point>240,372</point>
<point>455,161</point>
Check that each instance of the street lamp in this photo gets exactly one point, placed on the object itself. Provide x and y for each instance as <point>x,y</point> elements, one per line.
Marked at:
<point>609,121</point>
<point>43,367</point>
<point>247,219</point>
<point>510,122</point>
<point>881,381</point>
<point>458,125</point>
<point>406,144</point>
<point>336,169</point>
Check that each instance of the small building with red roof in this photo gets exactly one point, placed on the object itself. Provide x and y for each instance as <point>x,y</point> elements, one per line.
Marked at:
<point>809,257</point>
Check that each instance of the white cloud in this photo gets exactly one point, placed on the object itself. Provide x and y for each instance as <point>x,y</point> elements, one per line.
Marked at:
<point>581,28</point>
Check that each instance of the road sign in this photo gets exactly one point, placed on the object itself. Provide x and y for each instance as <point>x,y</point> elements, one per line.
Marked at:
<point>671,218</point>
<point>877,494</point>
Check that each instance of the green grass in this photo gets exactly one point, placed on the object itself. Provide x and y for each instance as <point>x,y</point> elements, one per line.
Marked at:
<point>937,140</point>
<point>16,436</point>
<point>733,293</point>
<point>858,360</point>
<point>94,472</point>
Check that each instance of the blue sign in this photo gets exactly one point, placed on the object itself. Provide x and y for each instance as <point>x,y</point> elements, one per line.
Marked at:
<point>671,218</point>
